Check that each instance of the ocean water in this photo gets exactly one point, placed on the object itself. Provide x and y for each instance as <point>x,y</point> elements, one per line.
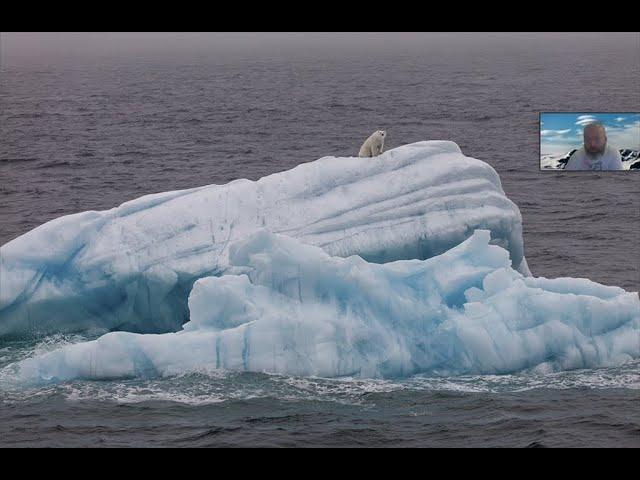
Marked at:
<point>83,131</point>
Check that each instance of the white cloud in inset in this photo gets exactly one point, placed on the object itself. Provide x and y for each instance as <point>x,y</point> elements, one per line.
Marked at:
<point>548,133</point>
<point>559,144</point>
<point>558,148</point>
<point>619,119</point>
<point>586,121</point>
<point>584,117</point>
<point>626,137</point>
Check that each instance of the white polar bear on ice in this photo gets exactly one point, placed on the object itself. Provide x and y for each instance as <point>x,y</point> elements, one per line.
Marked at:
<point>373,145</point>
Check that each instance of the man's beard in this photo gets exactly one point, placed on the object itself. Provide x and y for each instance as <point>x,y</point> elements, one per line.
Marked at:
<point>595,152</point>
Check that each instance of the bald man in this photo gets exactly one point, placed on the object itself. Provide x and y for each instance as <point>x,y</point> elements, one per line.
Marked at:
<point>595,154</point>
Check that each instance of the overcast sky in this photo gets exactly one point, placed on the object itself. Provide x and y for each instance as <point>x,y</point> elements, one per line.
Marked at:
<point>16,46</point>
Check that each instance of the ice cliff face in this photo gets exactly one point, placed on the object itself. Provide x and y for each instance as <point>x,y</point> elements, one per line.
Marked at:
<point>291,308</point>
<point>132,267</point>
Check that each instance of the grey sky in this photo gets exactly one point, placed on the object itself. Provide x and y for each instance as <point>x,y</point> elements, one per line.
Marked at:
<point>39,46</point>
<point>35,50</point>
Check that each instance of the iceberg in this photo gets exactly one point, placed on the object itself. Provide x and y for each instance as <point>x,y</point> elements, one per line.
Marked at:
<point>287,307</point>
<point>131,268</point>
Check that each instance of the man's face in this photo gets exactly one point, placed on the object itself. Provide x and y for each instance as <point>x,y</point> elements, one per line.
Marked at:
<point>595,140</point>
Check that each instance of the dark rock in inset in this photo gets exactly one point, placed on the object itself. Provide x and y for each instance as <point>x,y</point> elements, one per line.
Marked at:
<point>562,162</point>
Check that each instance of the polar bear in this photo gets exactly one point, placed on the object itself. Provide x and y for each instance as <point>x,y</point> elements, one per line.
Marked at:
<point>373,145</point>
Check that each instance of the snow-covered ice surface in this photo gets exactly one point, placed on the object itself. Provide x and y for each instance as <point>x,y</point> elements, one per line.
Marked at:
<point>132,268</point>
<point>290,308</point>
